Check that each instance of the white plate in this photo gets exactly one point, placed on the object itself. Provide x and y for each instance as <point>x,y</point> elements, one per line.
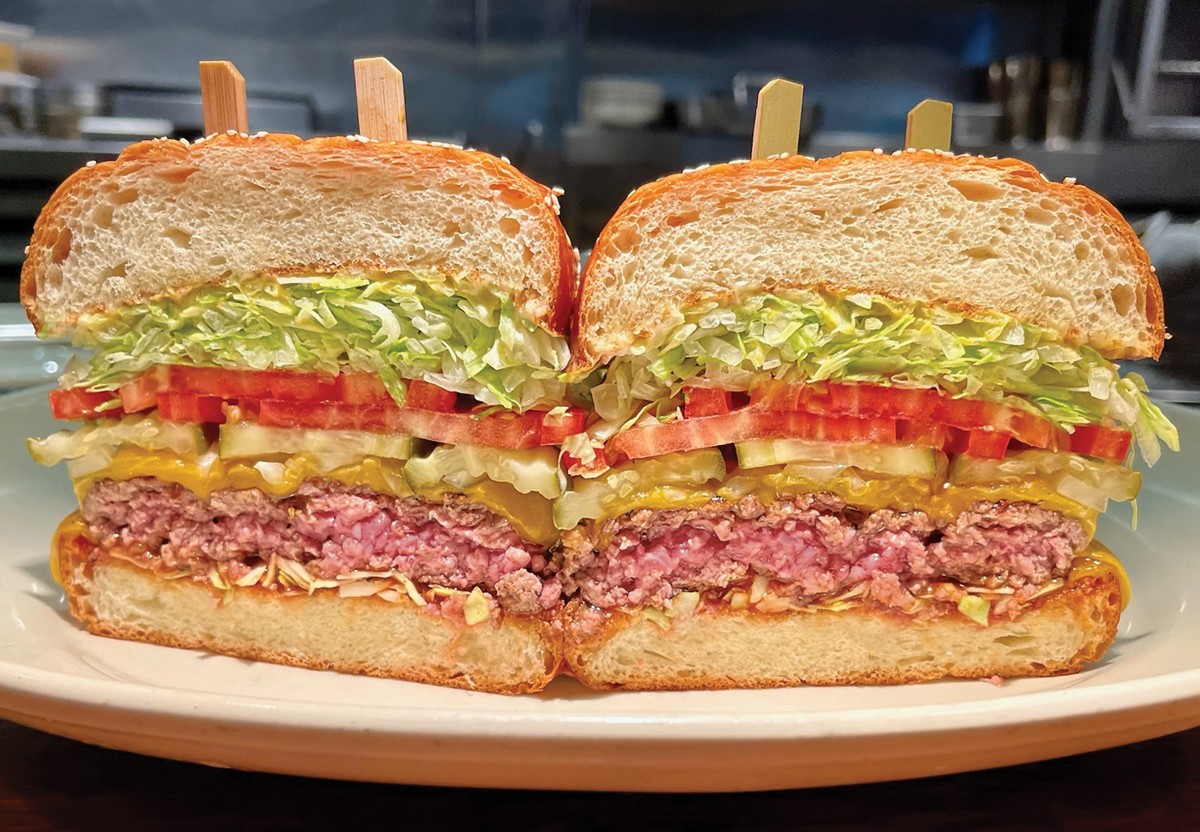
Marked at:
<point>195,706</point>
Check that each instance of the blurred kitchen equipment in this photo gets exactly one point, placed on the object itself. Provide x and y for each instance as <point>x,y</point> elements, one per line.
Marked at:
<point>109,128</point>
<point>62,105</point>
<point>746,86</point>
<point>620,102</point>
<point>977,125</point>
<point>1062,104</point>
<point>1022,81</point>
<point>1162,98</point>
<point>716,113</point>
<point>17,105</point>
<point>1173,244</point>
<point>276,113</point>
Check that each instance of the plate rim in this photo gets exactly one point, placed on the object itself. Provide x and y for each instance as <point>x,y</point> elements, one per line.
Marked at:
<point>396,719</point>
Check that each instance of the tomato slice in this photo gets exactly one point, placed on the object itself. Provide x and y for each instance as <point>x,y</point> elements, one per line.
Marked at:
<point>263,384</point>
<point>495,430</point>
<point>982,443</point>
<point>425,396</point>
<point>843,412</point>
<point>1097,440</point>
<point>287,385</point>
<point>773,395</point>
<point>77,403</point>
<point>351,401</point>
<point>705,401</point>
<point>361,388</point>
<point>927,434</point>
<point>641,441</point>
<point>186,407</point>
<point>142,393</point>
<point>577,468</point>
<point>912,404</point>
<point>556,427</point>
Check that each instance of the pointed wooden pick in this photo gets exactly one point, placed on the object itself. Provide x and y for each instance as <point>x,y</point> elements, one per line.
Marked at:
<point>777,120</point>
<point>929,125</point>
<point>223,94</point>
<point>379,87</point>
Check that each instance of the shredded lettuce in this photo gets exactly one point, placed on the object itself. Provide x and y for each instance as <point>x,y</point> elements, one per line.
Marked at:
<point>470,340</point>
<point>816,336</point>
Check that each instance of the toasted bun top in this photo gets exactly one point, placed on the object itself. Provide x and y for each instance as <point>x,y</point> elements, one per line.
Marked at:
<point>166,217</point>
<point>966,232</point>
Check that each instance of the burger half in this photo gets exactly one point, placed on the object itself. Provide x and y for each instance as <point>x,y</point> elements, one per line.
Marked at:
<point>321,406</point>
<point>857,419</point>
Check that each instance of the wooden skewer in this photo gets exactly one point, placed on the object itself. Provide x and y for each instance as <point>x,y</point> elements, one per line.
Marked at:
<point>929,125</point>
<point>223,93</point>
<point>777,120</point>
<point>379,87</point>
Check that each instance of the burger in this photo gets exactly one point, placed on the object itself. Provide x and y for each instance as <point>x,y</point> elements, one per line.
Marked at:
<point>321,403</point>
<point>855,421</point>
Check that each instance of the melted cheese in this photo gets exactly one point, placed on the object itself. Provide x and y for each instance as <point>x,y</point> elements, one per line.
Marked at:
<point>1098,559</point>
<point>71,526</point>
<point>531,515</point>
<point>899,493</point>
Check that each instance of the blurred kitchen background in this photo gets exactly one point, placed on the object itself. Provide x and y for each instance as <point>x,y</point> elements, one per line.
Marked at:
<point>599,96</point>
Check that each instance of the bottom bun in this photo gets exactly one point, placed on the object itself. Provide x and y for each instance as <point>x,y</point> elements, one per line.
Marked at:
<point>1057,634</point>
<point>322,631</point>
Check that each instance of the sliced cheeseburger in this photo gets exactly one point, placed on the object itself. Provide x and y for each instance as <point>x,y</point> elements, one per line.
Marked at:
<point>858,418</point>
<point>321,404</point>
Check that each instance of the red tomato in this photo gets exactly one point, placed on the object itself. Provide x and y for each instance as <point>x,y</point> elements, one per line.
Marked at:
<point>263,384</point>
<point>986,444</point>
<point>361,388</point>
<point>495,430</point>
<point>704,401</point>
<point>1106,443</point>
<point>186,407</point>
<point>77,403</point>
<point>926,434</point>
<point>142,393</point>
<point>641,441</point>
<point>556,427</point>
<point>576,467</point>
<point>909,403</point>
<point>425,396</point>
<point>773,395</point>
<point>1031,429</point>
<point>1027,428</point>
